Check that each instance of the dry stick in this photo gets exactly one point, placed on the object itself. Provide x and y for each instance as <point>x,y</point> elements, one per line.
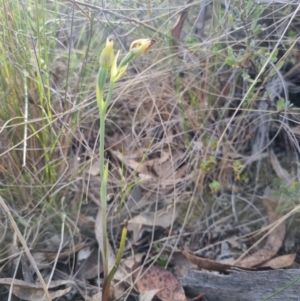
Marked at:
<point>23,242</point>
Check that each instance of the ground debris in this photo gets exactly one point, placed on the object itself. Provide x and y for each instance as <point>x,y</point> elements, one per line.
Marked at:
<point>165,284</point>
<point>242,285</point>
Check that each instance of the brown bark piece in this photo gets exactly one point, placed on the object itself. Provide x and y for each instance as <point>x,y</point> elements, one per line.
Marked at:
<point>242,285</point>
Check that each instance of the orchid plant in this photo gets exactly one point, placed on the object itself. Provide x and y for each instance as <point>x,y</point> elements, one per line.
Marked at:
<point>109,63</point>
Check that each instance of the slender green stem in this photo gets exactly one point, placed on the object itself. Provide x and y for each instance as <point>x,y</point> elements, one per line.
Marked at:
<point>102,113</point>
<point>107,281</point>
<point>102,106</point>
<point>101,142</point>
<point>103,196</point>
<point>109,95</point>
<point>129,57</point>
<point>101,78</point>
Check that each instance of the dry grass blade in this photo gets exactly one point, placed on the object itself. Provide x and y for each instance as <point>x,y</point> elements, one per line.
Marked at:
<point>23,242</point>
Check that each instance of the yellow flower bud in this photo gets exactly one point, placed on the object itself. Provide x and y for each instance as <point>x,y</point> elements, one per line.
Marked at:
<point>141,46</point>
<point>107,54</point>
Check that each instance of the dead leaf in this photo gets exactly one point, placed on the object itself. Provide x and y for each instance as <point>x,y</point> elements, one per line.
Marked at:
<point>44,256</point>
<point>207,264</point>
<point>171,170</point>
<point>181,264</point>
<point>88,293</point>
<point>145,167</point>
<point>157,278</point>
<point>211,265</point>
<point>148,295</point>
<point>35,292</point>
<point>176,30</point>
<point>273,242</point>
<point>87,266</point>
<point>164,218</point>
<point>93,169</point>
<point>97,297</point>
<point>280,262</point>
<point>133,262</point>
<point>166,166</point>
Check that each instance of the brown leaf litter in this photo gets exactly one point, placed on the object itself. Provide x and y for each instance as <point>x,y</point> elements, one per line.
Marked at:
<point>263,257</point>
<point>274,240</point>
<point>157,278</point>
<point>35,292</point>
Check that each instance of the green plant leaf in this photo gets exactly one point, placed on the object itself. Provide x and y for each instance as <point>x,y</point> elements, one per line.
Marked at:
<point>230,62</point>
<point>280,104</point>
